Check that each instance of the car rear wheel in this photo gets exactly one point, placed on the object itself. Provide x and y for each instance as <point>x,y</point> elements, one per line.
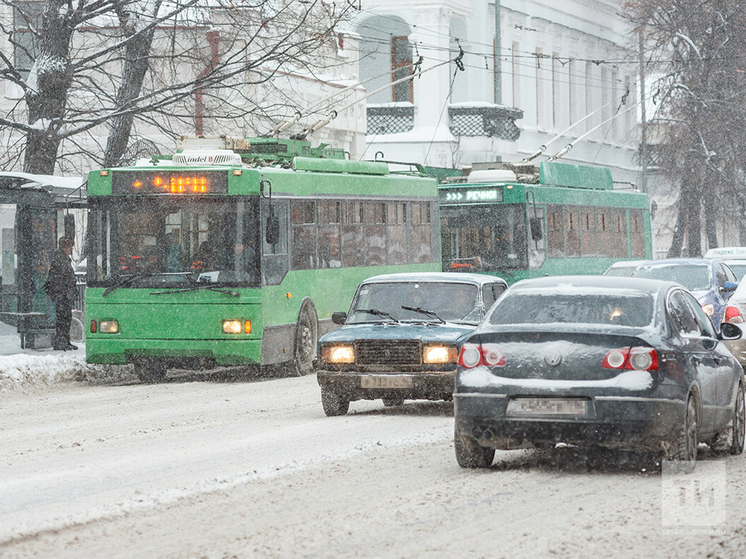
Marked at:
<point>393,400</point>
<point>334,404</point>
<point>469,454</point>
<point>688,439</point>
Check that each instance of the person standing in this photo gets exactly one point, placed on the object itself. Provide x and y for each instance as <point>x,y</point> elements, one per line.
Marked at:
<point>60,287</point>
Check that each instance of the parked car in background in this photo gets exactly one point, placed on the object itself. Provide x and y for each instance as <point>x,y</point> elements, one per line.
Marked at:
<point>400,338</point>
<point>598,361</point>
<point>734,257</point>
<point>623,268</point>
<point>711,281</point>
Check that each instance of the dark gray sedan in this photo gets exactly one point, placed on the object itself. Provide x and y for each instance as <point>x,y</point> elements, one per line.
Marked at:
<point>400,339</point>
<point>598,361</point>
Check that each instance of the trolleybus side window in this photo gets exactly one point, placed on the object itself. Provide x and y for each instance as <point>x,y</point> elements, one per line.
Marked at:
<point>275,261</point>
<point>572,231</point>
<point>421,232</point>
<point>555,232</point>
<point>396,233</point>
<point>604,233</point>
<point>637,233</point>
<point>303,214</point>
<point>375,233</point>
<point>619,216</point>
<point>353,249</point>
<point>329,242</point>
<point>588,230</point>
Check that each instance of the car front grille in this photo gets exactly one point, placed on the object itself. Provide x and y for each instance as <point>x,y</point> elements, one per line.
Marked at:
<point>388,352</point>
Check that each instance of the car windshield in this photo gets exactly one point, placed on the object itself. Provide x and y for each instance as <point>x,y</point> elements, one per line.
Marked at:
<point>456,302</point>
<point>695,277</point>
<point>577,308</point>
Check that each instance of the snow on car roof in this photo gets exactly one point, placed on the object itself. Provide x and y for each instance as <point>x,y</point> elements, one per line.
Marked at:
<point>459,277</point>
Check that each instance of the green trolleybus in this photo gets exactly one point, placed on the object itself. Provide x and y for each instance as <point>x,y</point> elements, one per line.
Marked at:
<point>234,252</point>
<point>522,221</point>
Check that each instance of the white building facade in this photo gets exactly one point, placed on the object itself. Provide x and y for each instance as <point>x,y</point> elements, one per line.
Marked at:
<point>554,64</point>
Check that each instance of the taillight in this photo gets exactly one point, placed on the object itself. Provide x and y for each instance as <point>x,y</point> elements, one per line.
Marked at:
<point>473,355</point>
<point>733,315</point>
<point>492,355</point>
<point>636,358</point>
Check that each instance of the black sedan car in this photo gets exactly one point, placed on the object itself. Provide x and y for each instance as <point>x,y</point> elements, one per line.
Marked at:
<point>400,338</point>
<point>604,361</point>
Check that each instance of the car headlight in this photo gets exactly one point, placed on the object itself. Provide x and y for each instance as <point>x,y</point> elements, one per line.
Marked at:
<point>108,327</point>
<point>438,354</point>
<point>709,309</point>
<point>337,353</point>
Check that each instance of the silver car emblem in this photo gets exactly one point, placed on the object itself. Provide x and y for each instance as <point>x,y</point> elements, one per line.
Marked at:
<point>553,359</point>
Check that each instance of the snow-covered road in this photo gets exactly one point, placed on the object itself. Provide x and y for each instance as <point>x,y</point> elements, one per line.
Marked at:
<point>209,467</point>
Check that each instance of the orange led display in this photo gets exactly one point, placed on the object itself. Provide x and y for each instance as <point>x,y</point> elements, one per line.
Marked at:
<point>171,182</point>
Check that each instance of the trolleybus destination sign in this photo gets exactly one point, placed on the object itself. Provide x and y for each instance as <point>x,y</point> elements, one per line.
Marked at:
<point>471,195</point>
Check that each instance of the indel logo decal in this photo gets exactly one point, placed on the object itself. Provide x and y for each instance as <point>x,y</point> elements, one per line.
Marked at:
<point>553,359</point>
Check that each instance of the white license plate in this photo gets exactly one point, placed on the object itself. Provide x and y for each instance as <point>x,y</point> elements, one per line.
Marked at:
<point>385,381</point>
<point>547,406</point>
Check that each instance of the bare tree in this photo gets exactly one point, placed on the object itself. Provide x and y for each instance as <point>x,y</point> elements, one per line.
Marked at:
<point>697,50</point>
<point>101,69</point>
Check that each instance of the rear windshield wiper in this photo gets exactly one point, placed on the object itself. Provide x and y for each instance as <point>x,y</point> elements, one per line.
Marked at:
<point>202,286</point>
<point>376,312</point>
<point>423,311</point>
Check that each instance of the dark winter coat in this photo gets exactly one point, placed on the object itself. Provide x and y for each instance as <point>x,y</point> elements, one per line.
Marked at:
<point>60,284</point>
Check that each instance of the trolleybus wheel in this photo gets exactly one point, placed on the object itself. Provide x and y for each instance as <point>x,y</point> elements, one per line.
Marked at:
<point>306,336</point>
<point>150,372</point>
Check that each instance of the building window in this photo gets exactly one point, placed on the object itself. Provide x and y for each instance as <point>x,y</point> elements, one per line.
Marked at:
<point>26,23</point>
<point>401,66</point>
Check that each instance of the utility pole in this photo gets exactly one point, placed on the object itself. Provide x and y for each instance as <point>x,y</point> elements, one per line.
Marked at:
<point>643,131</point>
<point>498,48</point>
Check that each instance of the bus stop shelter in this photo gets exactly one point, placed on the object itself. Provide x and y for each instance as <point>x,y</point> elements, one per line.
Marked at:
<point>33,210</point>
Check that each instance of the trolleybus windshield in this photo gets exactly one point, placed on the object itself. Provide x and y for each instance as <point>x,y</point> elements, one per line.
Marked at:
<point>156,242</point>
<point>492,237</point>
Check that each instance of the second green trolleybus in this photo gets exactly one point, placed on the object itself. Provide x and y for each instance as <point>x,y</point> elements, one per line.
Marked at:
<point>524,220</point>
<point>236,252</point>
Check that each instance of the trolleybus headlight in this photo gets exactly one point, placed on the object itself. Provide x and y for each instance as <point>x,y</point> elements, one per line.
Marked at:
<point>232,326</point>
<point>108,327</point>
<point>337,353</point>
<point>439,354</point>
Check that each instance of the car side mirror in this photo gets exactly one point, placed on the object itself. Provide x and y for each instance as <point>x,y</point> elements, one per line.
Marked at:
<point>339,317</point>
<point>729,287</point>
<point>729,331</point>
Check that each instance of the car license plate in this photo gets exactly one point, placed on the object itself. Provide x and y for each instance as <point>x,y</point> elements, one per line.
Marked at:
<point>385,381</point>
<point>547,406</point>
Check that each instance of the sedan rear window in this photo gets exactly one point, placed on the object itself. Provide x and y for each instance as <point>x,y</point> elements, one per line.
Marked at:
<point>550,308</point>
<point>695,277</point>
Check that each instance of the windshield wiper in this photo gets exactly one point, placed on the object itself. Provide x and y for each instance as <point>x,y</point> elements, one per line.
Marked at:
<point>121,282</point>
<point>376,312</point>
<point>196,287</point>
<point>423,311</point>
